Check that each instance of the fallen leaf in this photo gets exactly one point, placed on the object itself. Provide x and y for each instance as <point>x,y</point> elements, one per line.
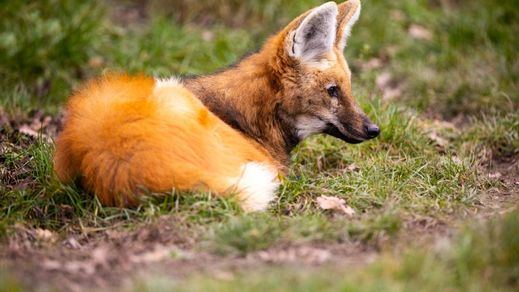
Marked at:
<point>495,175</point>
<point>457,160</point>
<point>439,132</point>
<point>336,204</point>
<point>223,275</point>
<point>390,89</point>
<point>383,79</point>
<point>51,265</point>
<point>83,267</point>
<point>373,63</point>
<point>207,35</point>
<point>397,15</point>
<point>158,254</point>
<point>44,235</point>
<point>309,255</point>
<point>352,167</point>
<point>419,32</point>
<point>96,62</point>
<point>27,130</point>
<point>444,125</point>
<point>72,243</point>
<point>100,256</point>
<point>390,51</point>
<point>442,142</point>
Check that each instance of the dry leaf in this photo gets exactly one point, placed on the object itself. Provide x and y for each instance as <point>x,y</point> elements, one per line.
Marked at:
<point>390,89</point>
<point>223,275</point>
<point>397,15</point>
<point>158,254</point>
<point>419,32</point>
<point>309,255</point>
<point>433,135</point>
<point>72,243</point>
<point>383,80</point>
<point>96,62</point>
<point>336,204</point>
<point>352,167</point>
<point>27,130</point>
<point>44,235</point>
<point>51,265</point>
<point>439,132</point>
<point>373,63</point>
<point>100,255</point>
<point>207,35</point>
<point>457,160</point>
<point>444,125</point>
<point>495,175</point>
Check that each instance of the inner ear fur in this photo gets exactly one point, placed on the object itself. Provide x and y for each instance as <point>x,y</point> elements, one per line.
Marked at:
<point>312,35</point>
<point>349,13</point>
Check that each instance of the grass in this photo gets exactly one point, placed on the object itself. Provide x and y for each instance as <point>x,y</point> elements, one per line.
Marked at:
<point>8,283</point>
<point>482,257</point>
<point>48,37</point>
<point>464,74</point>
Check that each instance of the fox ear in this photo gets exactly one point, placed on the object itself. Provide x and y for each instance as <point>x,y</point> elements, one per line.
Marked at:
<point>349,13</point>
<point>315,34</point>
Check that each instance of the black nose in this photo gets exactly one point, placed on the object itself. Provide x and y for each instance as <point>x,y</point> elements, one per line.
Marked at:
<point>372,130</point>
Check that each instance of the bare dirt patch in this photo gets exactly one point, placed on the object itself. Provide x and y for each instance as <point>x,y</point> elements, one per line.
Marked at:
<point>113,258</point>
<point>503,198</point>
<point>44,259</point>
<point>80,258</point>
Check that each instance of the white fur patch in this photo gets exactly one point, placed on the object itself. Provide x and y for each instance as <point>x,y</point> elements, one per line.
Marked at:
<point>167,82</point>
<point>323,64</point>
<point>257,186</point>
<point>347,29</point>
<point>315,35</point>
<point>306,126</point>
<point>166,92</point>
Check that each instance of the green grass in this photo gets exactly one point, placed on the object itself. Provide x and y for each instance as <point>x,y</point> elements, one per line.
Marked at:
<point>8,283</point>
<point>403,172</point>
<point>467,73</point>
<point>499,136</point>
<point>468,66</point>
<point>484,257</point>
<point>44,46</point>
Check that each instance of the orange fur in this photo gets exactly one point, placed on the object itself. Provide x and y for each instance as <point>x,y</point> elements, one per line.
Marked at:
<point>122,136</point>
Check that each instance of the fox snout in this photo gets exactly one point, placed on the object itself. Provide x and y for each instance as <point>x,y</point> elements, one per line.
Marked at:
<point>371,130</point>
<point>353,133</point>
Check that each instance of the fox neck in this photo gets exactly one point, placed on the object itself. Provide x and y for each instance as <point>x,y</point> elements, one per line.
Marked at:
<point>246,97</point>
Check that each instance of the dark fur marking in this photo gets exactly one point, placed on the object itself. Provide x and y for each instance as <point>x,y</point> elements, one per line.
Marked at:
<point>289,135</point>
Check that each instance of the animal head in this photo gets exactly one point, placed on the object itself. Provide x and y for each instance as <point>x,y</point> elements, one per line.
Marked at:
<point>315,80</point>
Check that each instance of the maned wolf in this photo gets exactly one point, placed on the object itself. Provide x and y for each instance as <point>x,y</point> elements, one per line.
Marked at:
<point>228,133</point>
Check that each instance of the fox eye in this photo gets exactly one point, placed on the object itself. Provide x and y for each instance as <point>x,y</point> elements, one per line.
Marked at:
<point>333,91</point>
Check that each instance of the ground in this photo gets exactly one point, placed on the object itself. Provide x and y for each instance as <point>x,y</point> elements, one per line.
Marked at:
<point>434,197</point>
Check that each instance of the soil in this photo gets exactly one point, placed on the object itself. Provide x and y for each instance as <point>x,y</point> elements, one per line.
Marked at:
<point>114,258</point>
<point>80,259</point>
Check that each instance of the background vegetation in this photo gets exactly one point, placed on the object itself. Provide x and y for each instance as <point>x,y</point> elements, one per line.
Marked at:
<point>440,77</point>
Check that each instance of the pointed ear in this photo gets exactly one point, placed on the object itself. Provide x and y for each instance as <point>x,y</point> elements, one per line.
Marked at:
<point>349,13</point>
<point>314,35</point>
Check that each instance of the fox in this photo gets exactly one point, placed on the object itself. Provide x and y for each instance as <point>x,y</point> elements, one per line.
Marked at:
<point>228,133</point>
